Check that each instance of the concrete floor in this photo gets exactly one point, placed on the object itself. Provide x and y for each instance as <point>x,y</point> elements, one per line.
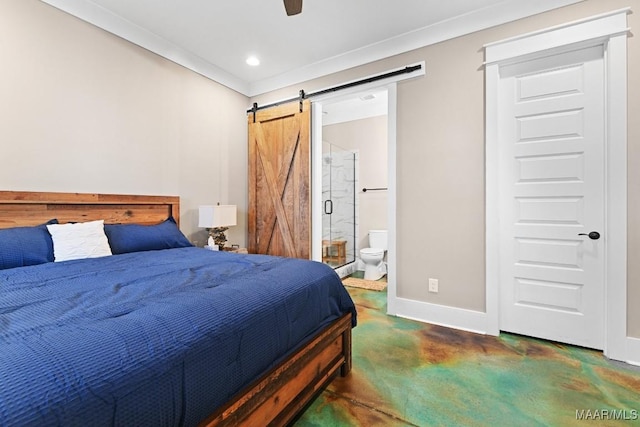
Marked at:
<point>408,373</point>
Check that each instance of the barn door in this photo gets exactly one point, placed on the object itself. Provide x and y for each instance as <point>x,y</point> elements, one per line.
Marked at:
<point>279,181</point>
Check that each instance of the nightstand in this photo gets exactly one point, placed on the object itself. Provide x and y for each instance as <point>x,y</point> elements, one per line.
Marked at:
<point>235,250</point>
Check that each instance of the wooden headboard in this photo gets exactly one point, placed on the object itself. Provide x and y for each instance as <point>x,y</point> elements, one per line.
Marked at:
<point>25,208</point>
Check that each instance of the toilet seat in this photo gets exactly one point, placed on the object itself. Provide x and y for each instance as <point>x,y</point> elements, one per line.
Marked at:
<point>372,251</point>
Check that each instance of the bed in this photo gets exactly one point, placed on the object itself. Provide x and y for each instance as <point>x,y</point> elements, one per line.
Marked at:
<point>156,335</point>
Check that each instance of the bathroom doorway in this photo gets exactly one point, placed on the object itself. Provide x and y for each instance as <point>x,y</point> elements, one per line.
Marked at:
<point>354,132</point>
<point>390,85</point>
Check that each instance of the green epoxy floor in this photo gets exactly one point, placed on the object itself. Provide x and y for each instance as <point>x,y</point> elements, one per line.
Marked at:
<point>407,373</point>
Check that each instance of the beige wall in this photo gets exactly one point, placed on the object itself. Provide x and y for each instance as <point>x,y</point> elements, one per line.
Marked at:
<point>440,155</point>
<point>369,138</point>
<point>85,111</point>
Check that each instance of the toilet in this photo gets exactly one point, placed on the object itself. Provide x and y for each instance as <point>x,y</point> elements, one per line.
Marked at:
<point>373,257</point>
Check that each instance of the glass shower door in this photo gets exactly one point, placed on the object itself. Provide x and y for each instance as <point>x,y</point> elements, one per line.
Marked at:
<point>338,205</point>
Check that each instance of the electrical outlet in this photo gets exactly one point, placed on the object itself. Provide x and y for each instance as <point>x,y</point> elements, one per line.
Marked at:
<point>433,285</point>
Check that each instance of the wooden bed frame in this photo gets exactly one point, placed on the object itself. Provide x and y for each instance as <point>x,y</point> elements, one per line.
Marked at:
<point>275,398</point>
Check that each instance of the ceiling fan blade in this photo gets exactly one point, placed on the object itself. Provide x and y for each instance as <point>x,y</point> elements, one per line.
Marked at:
<point>293,7</point>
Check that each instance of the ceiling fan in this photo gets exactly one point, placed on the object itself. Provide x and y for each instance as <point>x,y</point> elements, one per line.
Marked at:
<point>293,7</point>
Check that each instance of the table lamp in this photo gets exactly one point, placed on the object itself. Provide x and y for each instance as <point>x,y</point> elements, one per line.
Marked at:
<point>217,219</point>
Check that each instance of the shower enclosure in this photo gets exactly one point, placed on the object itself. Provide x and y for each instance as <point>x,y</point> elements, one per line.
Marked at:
<point>338,205</point>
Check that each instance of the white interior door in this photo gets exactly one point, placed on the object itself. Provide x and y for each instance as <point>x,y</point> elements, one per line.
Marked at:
<point>551,144</point>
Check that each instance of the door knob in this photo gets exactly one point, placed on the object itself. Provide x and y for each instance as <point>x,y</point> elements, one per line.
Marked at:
<point>594,235</point>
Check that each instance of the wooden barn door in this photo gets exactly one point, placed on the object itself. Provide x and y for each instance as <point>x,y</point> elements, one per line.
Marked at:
<point>279,181</point>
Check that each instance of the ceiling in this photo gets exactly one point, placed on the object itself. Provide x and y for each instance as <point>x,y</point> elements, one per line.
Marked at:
<point>215,37</point>
<point>360,105</point>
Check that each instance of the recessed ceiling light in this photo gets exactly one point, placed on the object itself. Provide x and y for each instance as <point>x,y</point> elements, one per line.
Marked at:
<point>253,61</point>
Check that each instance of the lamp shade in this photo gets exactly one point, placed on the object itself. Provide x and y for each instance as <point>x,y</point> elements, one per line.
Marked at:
<point>217,216</point>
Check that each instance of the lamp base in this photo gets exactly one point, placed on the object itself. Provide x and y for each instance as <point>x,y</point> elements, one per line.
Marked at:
<point>218,236</point>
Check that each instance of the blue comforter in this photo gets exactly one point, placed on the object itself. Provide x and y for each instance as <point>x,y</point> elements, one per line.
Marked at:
<point>151,338</point>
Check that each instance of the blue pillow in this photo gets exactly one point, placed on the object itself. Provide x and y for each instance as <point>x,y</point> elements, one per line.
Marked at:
<point>125,238</point>
<point>23,246</point>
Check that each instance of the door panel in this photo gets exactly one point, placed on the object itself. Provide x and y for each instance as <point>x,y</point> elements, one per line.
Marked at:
<point>552,189</point>
<point>339,204</point>
<point>279,181</point>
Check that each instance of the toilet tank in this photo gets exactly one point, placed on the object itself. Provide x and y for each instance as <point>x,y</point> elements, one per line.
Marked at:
<point>378,239</point>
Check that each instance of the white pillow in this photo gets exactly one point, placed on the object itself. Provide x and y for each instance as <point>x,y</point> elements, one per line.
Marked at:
<point>80,240</point>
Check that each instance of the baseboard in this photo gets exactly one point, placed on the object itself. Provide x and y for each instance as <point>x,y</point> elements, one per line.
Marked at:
<point>451,317</point>
<point>475,321</point>
<point>633,351</point>
<point>346,270</point>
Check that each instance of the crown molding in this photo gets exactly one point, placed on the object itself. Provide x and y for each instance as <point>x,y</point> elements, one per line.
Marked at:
<point>502,13</point>
<point>506,11</point>
<point>114,24</point>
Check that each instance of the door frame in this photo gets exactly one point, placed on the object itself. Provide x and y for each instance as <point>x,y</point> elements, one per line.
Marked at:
<point>610,31</point>
<point>390,84</point>
<point>316,178</point>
